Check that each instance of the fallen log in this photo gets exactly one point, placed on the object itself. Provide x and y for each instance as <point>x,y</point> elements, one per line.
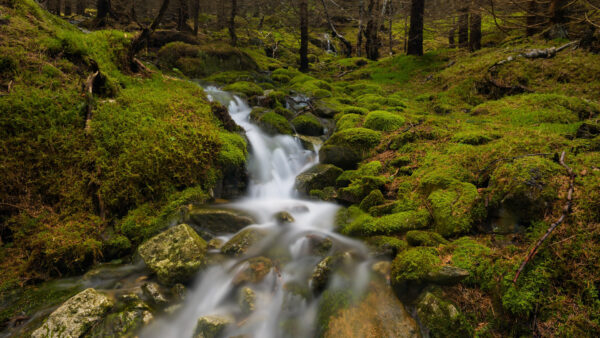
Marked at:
<point>565,212</point>
<point>535,54</point>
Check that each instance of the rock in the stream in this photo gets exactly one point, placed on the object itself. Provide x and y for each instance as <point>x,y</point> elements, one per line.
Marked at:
<point>219,221</point>
<point>341,156</point>
<point>379,314</point>
<point>323,271</point>
<point>153,292</point>
<point>317,178</point>
<point>283,217</point>
<point>241,242</point>
<point>254,271</point>
<point>175,255</point>
<point>212,326</point>
<point>133,315</point>
<point>247,300</point>
<point>77,315</point>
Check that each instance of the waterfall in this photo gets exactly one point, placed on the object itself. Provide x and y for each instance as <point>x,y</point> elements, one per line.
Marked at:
<point>273,165</point>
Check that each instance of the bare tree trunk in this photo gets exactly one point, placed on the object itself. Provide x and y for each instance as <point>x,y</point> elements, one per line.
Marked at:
<point>334,32</point>
<point>390,35</point>
<point>103,8</point>
<point>463,27</point>
<point>232,36</point>
<point>359,38</point>
<point>415,35</point>
<point>475,35</point>
<point>533,19</point>
<point>182,15</point>
<point>303,35</point>
<point>68,8</point>
<point>406,30</point>
<point>557,13</point>
<point>372,30</point>
<point>80,7</point>
<point>196,14</point>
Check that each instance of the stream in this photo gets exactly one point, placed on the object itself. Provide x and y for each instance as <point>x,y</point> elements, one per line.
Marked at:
<point>274,163</point>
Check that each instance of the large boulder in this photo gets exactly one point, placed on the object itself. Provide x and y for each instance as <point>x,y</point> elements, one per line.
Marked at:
<point>212,326</point>
<point>242,241</point>
<point>317,178</point>
<point>76,316</point>
<point>308,124</point>
<point>218,221</point>
<point>379,314</point>
<point>341,156</point>
<point>132,315</point>
<point>175,255</point>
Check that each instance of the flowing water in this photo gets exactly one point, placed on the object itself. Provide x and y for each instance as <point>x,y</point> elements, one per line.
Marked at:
<point>280,309</point>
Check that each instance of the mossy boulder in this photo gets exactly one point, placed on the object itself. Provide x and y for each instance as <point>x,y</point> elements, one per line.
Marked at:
<point>455,209</point>
<point>283,217</point>
<point>271,122</point>
<point>360,189</point>
<point>218,221</point>
<point>323,272</point>
<point>129,315</point>
<point>212,326</point>
<point>424,238</point>
<point>383,121</point>
<point>242,241</point>
<point>527,187</point>
<point>397,223</point>
<point>410,270</point>
<point>249,89</point>
<point>441,318</point>
<point>175,255</point>
<point>317,178</point>
<point>374,198</point>
<point>348,121</point>
<point>360,139</point>
<point>340,156</point>
<point>247,300</point>
<point>75,316</point>
<point>308,124</point>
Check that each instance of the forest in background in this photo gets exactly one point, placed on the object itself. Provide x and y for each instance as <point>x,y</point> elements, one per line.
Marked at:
<point>448,121</point>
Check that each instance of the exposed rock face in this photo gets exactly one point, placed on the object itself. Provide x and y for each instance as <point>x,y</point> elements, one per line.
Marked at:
<point>175,255</point>
<point>379,314</point>
<point>317,177</point>
<point>76,316</point>
<point>241,242</point>
<point>219,221</point>
<point>211,326</point>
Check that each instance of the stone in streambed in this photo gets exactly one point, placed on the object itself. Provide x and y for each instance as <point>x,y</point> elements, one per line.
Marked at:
<point>283,217</point>
<point>153,292</point>
<point>255,270</point>
<point>219,221</point>
<point>175,255</point>
<point>317,178</point>
<point>133,313</point>
<point>212,326</point>
<point>242,241</point>
<point>77,315</point>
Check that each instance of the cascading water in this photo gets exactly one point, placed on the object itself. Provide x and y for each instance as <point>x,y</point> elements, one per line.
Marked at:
<point>279,309</point>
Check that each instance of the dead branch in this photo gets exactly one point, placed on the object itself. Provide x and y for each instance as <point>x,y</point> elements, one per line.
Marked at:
<point>565,212</point>
<point>535,54</point>
<point>89,95</point>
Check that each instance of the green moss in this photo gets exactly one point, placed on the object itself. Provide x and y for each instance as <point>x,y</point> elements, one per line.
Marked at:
<point>311,86</point>
<point>388,246</point>
<point>383,121</point>
<point>424,238</point>
<point>475,258</point>
<point>348,121</point>
<point>414,265</point>
<point>331,302</point>
<point>374,198</point>
<point>355,110</point>
<point>455,209</point>
<point>233,152</point>
<point>360,188</point>
<point>442,318</point>
<point>247,88</point>
<point>358,138</point>
<point>397,223</point>
<point>308,124</point>
<point>228,77</point>
<point>473,138</point>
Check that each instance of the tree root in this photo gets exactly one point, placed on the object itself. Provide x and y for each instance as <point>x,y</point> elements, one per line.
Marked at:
<point>565,212</point>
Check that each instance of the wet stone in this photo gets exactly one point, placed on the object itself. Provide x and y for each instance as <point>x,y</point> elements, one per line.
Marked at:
<point>154,294</point>
<point>212,326</point>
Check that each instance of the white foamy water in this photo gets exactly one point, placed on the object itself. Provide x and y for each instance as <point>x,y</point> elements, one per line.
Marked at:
<point>273,165</point>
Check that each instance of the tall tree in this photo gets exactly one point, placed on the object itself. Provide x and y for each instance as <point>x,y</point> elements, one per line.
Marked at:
<point>533,18</point>
<point>231,26</point>
<point>359,38</point>
<point>182,15</point>
<point>103,8</point>
<point>304,35</point>
<point>375,12</point>
<point>80,7</point>
<point>196,14</point>
<point>475,26</point>
<point>463,26</point>
<point>415,34</point>
<point>68,8</point>
<point>137,44</point>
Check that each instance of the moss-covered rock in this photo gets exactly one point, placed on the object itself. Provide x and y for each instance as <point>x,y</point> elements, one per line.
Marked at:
<point>374,198</point>
<point>360,189</point>
<point>283,217</point>
<point>308,124</point>
<point>76,315</point>
<point>341,156</point>
<point>254,271</point>
<point>130,314</point>
<point>218,221</point>
<point>424,238</point>
<point>348,121</point>
<point>361,139</point>
<point>271,122</point>
<point>410,270</point>
<point>323,272</point>
<point>397,223</point>
<point>441,317</point>
<point>455,209</point>
<point>212,326</point>
<point>473,137</point>
<point>247,300</point>
<point>384,246</point>
<point>175,255</point>
<point>383,121</point>
<point>242,241</point>
<point>249,89</point>
<point>526,186</point>
<point>317,178</point>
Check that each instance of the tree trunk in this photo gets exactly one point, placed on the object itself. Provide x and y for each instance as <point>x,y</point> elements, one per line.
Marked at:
<point>334,32</point>
<point>196,14</point>
<point>80,7</point>
<point>231,26</point>
<point>557,12</point>
<point>463,27</point>
<point>68,8</point>
<point>103,10</point>
<point>475,37</point>
<point>303,36</point>
<point>372,30</point>
<point>451,41</point>
<point>182,15</point>
<point>221,15</point>
<point>138,42</point>
<point>359,37</point>
<point>532,18</point>
<point>390,33</point>
<point>415,34</point>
